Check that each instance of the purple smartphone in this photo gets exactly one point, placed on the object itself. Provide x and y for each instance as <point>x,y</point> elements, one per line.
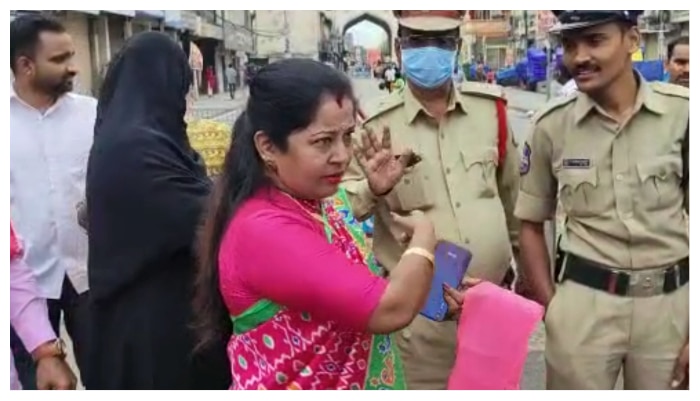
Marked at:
<point>451,263</point>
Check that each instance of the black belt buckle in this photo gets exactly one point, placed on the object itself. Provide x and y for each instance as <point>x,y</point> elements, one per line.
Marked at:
<point>631,283</point>
<point>673,279</point>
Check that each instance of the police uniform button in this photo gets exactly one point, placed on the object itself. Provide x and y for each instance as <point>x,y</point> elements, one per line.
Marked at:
<point>457,205</point>
<point>407,181</point>
<point>619,177</point>
<point>447,171</point>
<point>406,334</point>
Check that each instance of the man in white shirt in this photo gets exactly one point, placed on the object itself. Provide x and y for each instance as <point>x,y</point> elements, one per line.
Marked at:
<point>569,88</point>
<point>51,133</point>
<point>567,81</point>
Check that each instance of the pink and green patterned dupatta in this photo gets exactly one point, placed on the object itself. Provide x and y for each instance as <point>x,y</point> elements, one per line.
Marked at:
<point>275,348</point>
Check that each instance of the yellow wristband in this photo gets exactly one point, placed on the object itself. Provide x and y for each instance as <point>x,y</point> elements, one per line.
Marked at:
<point>421,252</point>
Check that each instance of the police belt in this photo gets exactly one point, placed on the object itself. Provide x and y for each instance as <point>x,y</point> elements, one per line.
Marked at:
<point>627,283</point>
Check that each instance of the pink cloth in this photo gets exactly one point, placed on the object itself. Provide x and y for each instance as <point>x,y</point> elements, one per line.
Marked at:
<point>492,339</point>
<point>29,315</point>
<point>275,250</point>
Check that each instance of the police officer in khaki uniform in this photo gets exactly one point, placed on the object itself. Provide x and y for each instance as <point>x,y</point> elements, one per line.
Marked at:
<point>464,183</point>
<point>613,154</point>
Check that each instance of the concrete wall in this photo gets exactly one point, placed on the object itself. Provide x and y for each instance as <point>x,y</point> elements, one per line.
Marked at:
<point>236,16</point>
<point>303,33</point>
<point>77,25</point>
<point>237,32</point>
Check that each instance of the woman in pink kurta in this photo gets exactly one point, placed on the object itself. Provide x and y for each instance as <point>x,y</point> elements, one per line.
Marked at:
<point>29,316</point>
<point>307,306</point>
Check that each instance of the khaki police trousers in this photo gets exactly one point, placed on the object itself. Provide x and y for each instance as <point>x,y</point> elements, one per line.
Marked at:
<point>428,350</point>
<point>593,335</point>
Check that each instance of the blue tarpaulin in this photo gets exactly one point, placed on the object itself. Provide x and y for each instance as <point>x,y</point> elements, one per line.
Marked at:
<point>651,70</point>
<point>536,66</point>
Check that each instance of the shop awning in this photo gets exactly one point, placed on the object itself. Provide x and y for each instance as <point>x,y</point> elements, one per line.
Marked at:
<point>153,14</point>
<point>126,13</point>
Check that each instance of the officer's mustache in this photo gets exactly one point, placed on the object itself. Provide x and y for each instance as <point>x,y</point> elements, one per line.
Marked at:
<point>585,67</point>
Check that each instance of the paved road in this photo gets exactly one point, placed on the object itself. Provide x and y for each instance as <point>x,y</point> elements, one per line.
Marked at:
<point>521,103</point>
<point>220,107</point>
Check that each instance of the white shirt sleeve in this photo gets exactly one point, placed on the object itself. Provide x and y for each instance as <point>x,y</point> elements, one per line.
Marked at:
<point>569,88</point>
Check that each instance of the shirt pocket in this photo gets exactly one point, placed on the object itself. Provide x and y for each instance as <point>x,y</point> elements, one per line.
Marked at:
<point>578,192</point>
<point>411,193</point>
<point>481,170</point>
<point>660,182</point>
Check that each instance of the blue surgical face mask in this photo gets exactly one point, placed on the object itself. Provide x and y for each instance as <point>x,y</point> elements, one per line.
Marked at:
<point>428,67</point>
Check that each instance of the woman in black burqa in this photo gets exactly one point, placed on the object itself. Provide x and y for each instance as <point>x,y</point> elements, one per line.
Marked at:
<point>145,193</point>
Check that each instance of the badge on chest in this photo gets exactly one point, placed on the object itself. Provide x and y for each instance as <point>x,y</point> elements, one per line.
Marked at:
<point>576,164</point>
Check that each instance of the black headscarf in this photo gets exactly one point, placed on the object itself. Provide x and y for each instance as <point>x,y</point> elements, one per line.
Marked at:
<point>145,184</point>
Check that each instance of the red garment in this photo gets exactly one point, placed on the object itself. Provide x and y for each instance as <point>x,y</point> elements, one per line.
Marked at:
<point>211,78</point>
<point>491,77</point>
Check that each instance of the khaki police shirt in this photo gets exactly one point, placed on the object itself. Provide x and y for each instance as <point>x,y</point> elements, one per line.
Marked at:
<point>619,184</point>
<point>457,184</point>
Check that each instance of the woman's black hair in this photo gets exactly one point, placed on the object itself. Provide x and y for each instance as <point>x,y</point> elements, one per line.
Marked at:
<point>284,97</point>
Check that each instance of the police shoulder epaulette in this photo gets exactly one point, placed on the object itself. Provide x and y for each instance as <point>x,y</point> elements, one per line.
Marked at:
<point>484,90</point>
<point>553,105</point>
<point>386,104</point>
<point>665,88</point>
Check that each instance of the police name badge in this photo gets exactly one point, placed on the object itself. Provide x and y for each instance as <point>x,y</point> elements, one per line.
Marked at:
<point>577,164</point>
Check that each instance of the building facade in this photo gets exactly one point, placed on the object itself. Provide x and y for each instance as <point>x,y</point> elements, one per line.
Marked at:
<point>486,37</point>
<point>238,40</point>
<point>659,27</point>
<point>343,20</point>
<point>222,37</point>
<point>284,34</point>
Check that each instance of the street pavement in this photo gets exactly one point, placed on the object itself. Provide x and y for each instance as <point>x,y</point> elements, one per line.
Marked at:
<point>521,104</point>
<point>220,107</point>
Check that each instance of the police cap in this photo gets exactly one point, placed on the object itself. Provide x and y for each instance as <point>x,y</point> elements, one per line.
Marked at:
<point>572,19</point>
<point>436,20</point>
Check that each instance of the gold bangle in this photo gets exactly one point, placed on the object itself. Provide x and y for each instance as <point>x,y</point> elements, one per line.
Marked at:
<point>421,252</point>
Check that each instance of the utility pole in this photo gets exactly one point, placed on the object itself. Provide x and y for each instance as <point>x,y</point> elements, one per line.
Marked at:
<point>526,17</point>
<point>253,21</point>
<point>662,38</point>
<point>286,35</point>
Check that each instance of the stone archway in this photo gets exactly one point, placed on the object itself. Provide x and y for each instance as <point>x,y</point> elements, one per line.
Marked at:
<point>385,19</point>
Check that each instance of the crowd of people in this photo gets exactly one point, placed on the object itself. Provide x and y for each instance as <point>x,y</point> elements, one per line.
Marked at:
<point>262,278</point>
